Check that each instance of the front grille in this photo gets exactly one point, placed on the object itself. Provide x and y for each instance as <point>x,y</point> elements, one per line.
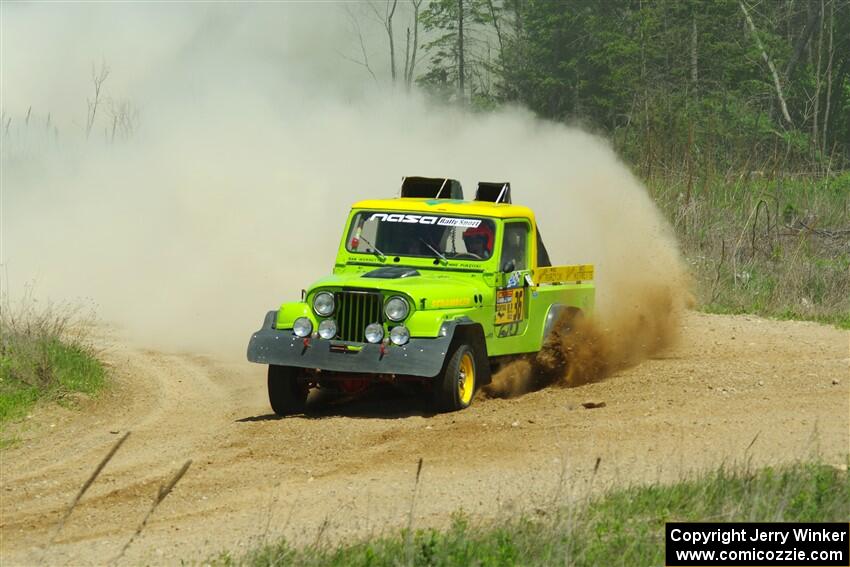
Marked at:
<point>355,310</point>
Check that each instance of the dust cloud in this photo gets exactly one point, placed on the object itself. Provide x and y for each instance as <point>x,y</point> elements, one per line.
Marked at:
<point>227,148</point>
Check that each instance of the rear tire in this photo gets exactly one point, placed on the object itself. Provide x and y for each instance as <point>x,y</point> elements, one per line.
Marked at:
<point>455,386</point>
<point>286,394</point>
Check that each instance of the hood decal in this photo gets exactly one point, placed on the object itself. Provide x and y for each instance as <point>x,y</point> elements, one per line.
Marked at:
<point>392,273</point>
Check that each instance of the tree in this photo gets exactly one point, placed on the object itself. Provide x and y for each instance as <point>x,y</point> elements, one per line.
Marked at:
<point>410,56</point>
<point>457,52</point>
<point>385,14</point>
<point>677,83</point>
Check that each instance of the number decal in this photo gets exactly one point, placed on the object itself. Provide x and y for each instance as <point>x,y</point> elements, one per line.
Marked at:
<point>509,330</point>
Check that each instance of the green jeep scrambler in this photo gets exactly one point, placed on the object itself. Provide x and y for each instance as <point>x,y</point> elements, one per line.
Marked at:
<point>428,288</point>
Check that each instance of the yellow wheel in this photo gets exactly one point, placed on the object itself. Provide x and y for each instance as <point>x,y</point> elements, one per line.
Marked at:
<point>454,388</point>
<point>466,379</point>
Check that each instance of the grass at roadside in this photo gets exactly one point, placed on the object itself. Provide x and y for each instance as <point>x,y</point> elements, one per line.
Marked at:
<point>778,247</point>
<point>623,527</point>
<point>44,354</point>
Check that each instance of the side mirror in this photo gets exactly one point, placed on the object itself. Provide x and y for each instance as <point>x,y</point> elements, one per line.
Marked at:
<point>508,266</point>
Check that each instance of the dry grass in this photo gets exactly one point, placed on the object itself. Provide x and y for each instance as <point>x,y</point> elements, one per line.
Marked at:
<point>778,247</point>
<point>45,352</point>
<point>622,527</point>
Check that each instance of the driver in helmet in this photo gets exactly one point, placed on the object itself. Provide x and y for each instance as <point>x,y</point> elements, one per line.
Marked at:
<point>479,240</point>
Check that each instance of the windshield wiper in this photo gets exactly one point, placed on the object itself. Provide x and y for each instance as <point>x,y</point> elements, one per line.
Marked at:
<point>374,249</point>
<point>434,250</point>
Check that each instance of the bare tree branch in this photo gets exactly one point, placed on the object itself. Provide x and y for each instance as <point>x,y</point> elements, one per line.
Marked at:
<point>801,44</point>
<point>460,54</point>
<point>406,55</point>
<point>365,62</point>
<point>389,26</point>
<point>694,51</point>
<point>386,20</point>
<point>831,50</point>
<point>770,66</point>
<point>98,78</point>
<point>408,78</point>
<point>498,28</point>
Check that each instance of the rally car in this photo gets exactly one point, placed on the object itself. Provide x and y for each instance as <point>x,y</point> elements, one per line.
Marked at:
<point>426,288</point>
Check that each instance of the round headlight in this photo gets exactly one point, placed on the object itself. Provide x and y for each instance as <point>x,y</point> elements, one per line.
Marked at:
<point>327,329</point>
<point>323,303</point>
<point>397,309</point>
<point>374,333</point>
<point>400,335</point>
<point>302,327</point>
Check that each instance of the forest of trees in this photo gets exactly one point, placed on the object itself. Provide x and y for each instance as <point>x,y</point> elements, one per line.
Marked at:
<point>717,85</point>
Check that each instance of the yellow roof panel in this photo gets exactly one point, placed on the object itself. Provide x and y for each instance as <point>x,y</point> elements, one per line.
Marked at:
<point>448,206</point>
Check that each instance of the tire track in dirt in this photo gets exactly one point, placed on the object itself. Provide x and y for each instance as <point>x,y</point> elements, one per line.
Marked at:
<point>347,469</point>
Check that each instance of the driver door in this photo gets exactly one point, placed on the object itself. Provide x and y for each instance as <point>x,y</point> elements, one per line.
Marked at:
<point>512,292</point>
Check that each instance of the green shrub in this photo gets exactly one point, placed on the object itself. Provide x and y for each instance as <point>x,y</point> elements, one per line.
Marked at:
<point>44,353</point>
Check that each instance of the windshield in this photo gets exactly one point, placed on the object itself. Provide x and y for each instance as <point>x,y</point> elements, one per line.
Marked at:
<point>428,236</point>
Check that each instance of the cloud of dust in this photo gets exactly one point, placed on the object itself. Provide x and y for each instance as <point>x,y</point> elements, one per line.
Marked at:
<point>252,137</point>
<point>643,286</point>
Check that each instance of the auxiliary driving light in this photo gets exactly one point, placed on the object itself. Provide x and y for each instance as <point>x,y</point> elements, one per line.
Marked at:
<point>374,333</point>
<point>397,309</point>
<point>323,303</point>
<point>302,327</point>
<point>400,335</point>
<point>327,329</point>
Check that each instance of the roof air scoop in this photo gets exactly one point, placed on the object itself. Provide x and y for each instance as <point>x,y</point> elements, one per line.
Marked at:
<point>431,188</point>
<point>493,192</point>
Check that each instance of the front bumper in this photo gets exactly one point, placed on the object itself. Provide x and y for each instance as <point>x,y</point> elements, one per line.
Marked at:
<point>419,357</point>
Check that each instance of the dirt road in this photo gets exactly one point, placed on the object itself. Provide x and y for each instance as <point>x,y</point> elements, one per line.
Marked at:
<point>348,468</point>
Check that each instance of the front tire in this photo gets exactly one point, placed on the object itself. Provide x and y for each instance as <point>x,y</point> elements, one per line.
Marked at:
<point>286,394</point>
<point>455,386</point>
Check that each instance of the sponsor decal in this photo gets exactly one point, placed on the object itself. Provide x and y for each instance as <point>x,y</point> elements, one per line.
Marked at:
<point>510,307</point>
<point>558,274</point>
<point>514,280</point>
<point>465,223</point>
<point>451,302</point>
<point>504,296</point>
<point>425,219</point>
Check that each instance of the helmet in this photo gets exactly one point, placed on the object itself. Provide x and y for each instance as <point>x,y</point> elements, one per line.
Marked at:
<point>483,232</point>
